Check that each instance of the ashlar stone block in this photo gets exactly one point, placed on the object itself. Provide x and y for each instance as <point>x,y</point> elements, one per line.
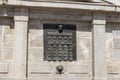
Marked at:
<point>83,48</point>
<point>109,45</point>
<point>42,77</point>
<point>116,39</point>
<point>116,43</point>
<point>35,55</point>
<point>116,55</point>
<point>36,39</point>
<point>8,29</point>
<point>8,40</point>
<point>41,68</point>
<point>3,68</point>
<point>113,69</point>
<point>8,53</point>
<point>78,69</point>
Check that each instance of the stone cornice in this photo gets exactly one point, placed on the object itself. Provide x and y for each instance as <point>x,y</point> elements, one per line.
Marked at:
<point>66,5</point>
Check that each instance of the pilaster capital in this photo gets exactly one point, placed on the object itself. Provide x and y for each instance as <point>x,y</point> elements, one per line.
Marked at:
<point>21,14</point>
<point>99,19</point>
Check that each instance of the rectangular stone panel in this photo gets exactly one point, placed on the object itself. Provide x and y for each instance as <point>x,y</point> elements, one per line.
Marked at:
<point>113,77</point>
<point>75,77</point>
<point>42,68</point>
<point>116,43</point>
<point>113,69</point>
<point>8,29</point>
<point>8,40</point>
<point>35,55</point>
<point>42,77</point>
<point>3,68</point>
<point>116,33</point>
<point>78,69</point>
<point>35,38</point>
<point>116,38</point>
<point>84,29</point>
<point>116,55</point>
<point>83,49</point>
<point>8,53</point>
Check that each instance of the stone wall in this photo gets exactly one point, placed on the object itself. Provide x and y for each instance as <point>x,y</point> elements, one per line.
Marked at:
<point>21,44</point>
<point>37,67</point>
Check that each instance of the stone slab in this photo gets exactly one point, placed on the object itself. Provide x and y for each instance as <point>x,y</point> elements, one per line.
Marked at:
<point>40,68</point>
<point>83,48</point>
<point>116,39</point>
<point>4,68</point>
<point>8,40</point>
<point>116,55</point>
<point>36,38</point>
<point>116,43</point>
<point>113,69</point>
<point>35,55</point>
<point>78,69</point>
<point>8,53</point>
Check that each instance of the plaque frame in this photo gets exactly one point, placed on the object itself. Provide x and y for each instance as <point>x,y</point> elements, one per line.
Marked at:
<point>69,31</point>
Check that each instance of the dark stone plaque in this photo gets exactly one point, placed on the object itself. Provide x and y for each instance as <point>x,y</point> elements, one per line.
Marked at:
<point>59,42</point>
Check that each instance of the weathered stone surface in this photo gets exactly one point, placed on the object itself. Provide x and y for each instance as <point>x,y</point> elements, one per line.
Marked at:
<point>78,69</point>
<point>114,77</point>
<point>41,68</point>
<point>116,39</point>
<point>76,77</point>
<point>43,77</point>
<point>3,68</point>
<point>20,44</point>
<point>113,69</point>
<point>8,53</point>
<point>84,29</point>
<point>1,35</point>
<point>31,49</point>
<point>8,29</point>
<point>8,40</point>
<point>35,33</point>
<point>0,53</point>
<point>116,33</point>
<point>109,45</point>
<point>36,39</point>
<point>116,55</point>
<point>35,55</point>
<point>83,48</point>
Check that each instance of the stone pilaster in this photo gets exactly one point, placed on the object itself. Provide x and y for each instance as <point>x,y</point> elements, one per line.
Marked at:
<point>20,46</point>
<point>99,47</point>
